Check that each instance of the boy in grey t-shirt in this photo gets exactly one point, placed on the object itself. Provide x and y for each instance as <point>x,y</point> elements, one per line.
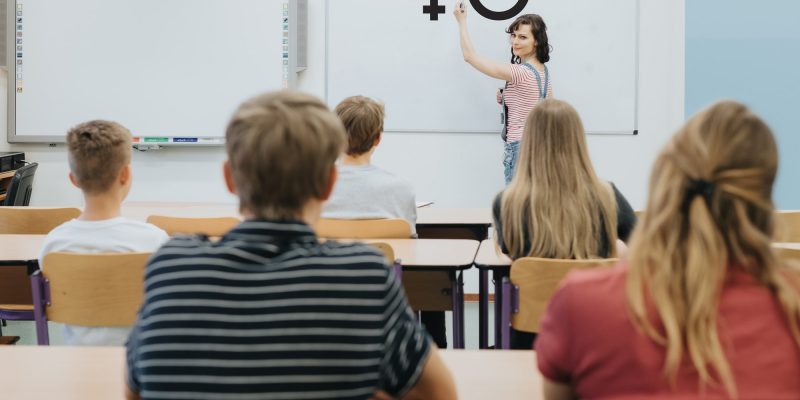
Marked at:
<point>364,191</point>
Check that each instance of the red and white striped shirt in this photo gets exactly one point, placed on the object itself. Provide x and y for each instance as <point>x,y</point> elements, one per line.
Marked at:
<point>521,95</point>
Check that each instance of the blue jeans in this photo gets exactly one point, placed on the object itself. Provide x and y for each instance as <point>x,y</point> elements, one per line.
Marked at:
<point>510,155</point>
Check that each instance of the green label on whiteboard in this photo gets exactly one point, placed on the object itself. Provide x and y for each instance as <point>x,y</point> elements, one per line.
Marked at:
<point>156,140</point>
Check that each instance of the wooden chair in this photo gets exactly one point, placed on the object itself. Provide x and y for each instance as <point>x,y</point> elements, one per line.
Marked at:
<point>207,226</point>
<point>532,283</point>
<point>16,301</point>
<point>788,255</point>
<point>388,252</point>
<point>363,228</point>
<point>787,226</point>
<point>96,290</point>
<point>34,220</point>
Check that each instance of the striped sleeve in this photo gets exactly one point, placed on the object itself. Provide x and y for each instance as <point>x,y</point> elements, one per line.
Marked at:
<point>130,356</point>
<point>520,74</point>
<point>406,345</point>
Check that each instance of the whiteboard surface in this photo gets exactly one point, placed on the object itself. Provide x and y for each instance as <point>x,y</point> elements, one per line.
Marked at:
<point>391,51</point>
<point>159,67</point>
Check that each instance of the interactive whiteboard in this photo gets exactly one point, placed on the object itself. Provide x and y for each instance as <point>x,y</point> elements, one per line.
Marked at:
<point>162,68</point>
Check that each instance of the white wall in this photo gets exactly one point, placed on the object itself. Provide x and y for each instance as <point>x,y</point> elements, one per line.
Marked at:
<point>453,170</point>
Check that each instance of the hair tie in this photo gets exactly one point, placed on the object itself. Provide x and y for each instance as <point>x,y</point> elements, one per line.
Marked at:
<point>698,187</point>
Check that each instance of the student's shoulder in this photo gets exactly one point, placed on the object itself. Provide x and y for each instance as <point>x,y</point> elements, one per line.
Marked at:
<point>596,282</point>
<point>183,246</point>
<point>395,181</point>
<point>62,229</point>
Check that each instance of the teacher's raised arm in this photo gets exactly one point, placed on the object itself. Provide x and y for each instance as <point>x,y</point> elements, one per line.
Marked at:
<point>527,79</point>
<point>479,62</point>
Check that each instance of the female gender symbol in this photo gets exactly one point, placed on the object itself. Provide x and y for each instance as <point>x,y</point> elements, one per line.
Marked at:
<point>498,15</point>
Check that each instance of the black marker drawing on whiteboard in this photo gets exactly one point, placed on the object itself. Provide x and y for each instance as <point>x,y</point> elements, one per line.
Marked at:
<point>498,15</point>
<point>433,10</point>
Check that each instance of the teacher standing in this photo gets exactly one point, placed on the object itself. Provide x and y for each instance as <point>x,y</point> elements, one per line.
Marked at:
<point>527,78</point>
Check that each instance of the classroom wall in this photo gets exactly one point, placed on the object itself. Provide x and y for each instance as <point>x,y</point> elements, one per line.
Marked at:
<point>750,53</point>
<point>453,170</point>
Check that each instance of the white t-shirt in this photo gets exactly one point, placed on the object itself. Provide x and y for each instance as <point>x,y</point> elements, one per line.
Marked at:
<point>116,235</point>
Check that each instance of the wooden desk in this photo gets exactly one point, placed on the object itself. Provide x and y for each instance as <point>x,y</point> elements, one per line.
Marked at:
<point>448,255</point>
<point>67,373</point>
<point>453,223</point>
<point>432,222</point>
<point>502,375</point>
<point>89,373</point>
<point>451,256</point>
<point>19,249</point>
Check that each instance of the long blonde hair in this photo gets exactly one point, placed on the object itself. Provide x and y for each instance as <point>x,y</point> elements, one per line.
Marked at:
<point>556,206</point>
<point>709,210</point>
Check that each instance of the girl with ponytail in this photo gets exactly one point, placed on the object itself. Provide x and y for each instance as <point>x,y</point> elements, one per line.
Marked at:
<point>701,308</point>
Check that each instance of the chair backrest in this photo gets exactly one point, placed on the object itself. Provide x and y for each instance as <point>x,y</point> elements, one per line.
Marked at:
<point>91,289</point>
<point>34,220</point>
<point>386,249</point>
<point>208,226</point>
<point>19,191</point>
<point>790,255</point>
<point>787,226</point>
<point>388,252</point>
<point>393,228</point>
<point>538,279</point>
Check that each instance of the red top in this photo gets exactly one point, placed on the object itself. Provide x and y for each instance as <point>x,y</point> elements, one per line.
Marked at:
<point>588,340</point>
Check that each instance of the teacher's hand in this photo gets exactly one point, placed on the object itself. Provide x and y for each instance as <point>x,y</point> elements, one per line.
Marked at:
<point>499,96</point>
<point>460,11</point>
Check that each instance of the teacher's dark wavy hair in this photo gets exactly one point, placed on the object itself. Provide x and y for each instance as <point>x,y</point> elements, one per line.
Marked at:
<point>539,30</point>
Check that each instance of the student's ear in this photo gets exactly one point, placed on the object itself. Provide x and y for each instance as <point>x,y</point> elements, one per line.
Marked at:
<point>125,175</point>
<point>326,193</point>
<point>74,180</point>
<point>378,139</point>
<point>228,175</point>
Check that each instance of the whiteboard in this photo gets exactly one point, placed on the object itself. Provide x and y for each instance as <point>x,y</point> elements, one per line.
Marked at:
<point>391,51</point>
<point>174,68</point>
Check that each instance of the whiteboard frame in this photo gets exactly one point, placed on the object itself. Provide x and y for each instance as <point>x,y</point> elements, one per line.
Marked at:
<point>637,45</point>
<point>11,104</point>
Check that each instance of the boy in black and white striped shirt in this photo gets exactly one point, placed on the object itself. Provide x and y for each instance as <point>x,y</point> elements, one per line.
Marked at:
<point>268,312</point>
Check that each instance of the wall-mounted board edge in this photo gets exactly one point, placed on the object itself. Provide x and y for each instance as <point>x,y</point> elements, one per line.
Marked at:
<point>633,132</point>
<point>298,62</point>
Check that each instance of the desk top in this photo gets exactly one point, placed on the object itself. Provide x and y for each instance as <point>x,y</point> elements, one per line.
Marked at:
<point>425,215</point>
<point>787,245</point>
<point>421,253</point>
<point>20,247</point>
<point>88,373</point>
<point>489,256</point>
<point>433,253</point>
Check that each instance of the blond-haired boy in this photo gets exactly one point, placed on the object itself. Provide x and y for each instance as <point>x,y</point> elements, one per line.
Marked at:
<point>99,154</point>
<point>268,311</point>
